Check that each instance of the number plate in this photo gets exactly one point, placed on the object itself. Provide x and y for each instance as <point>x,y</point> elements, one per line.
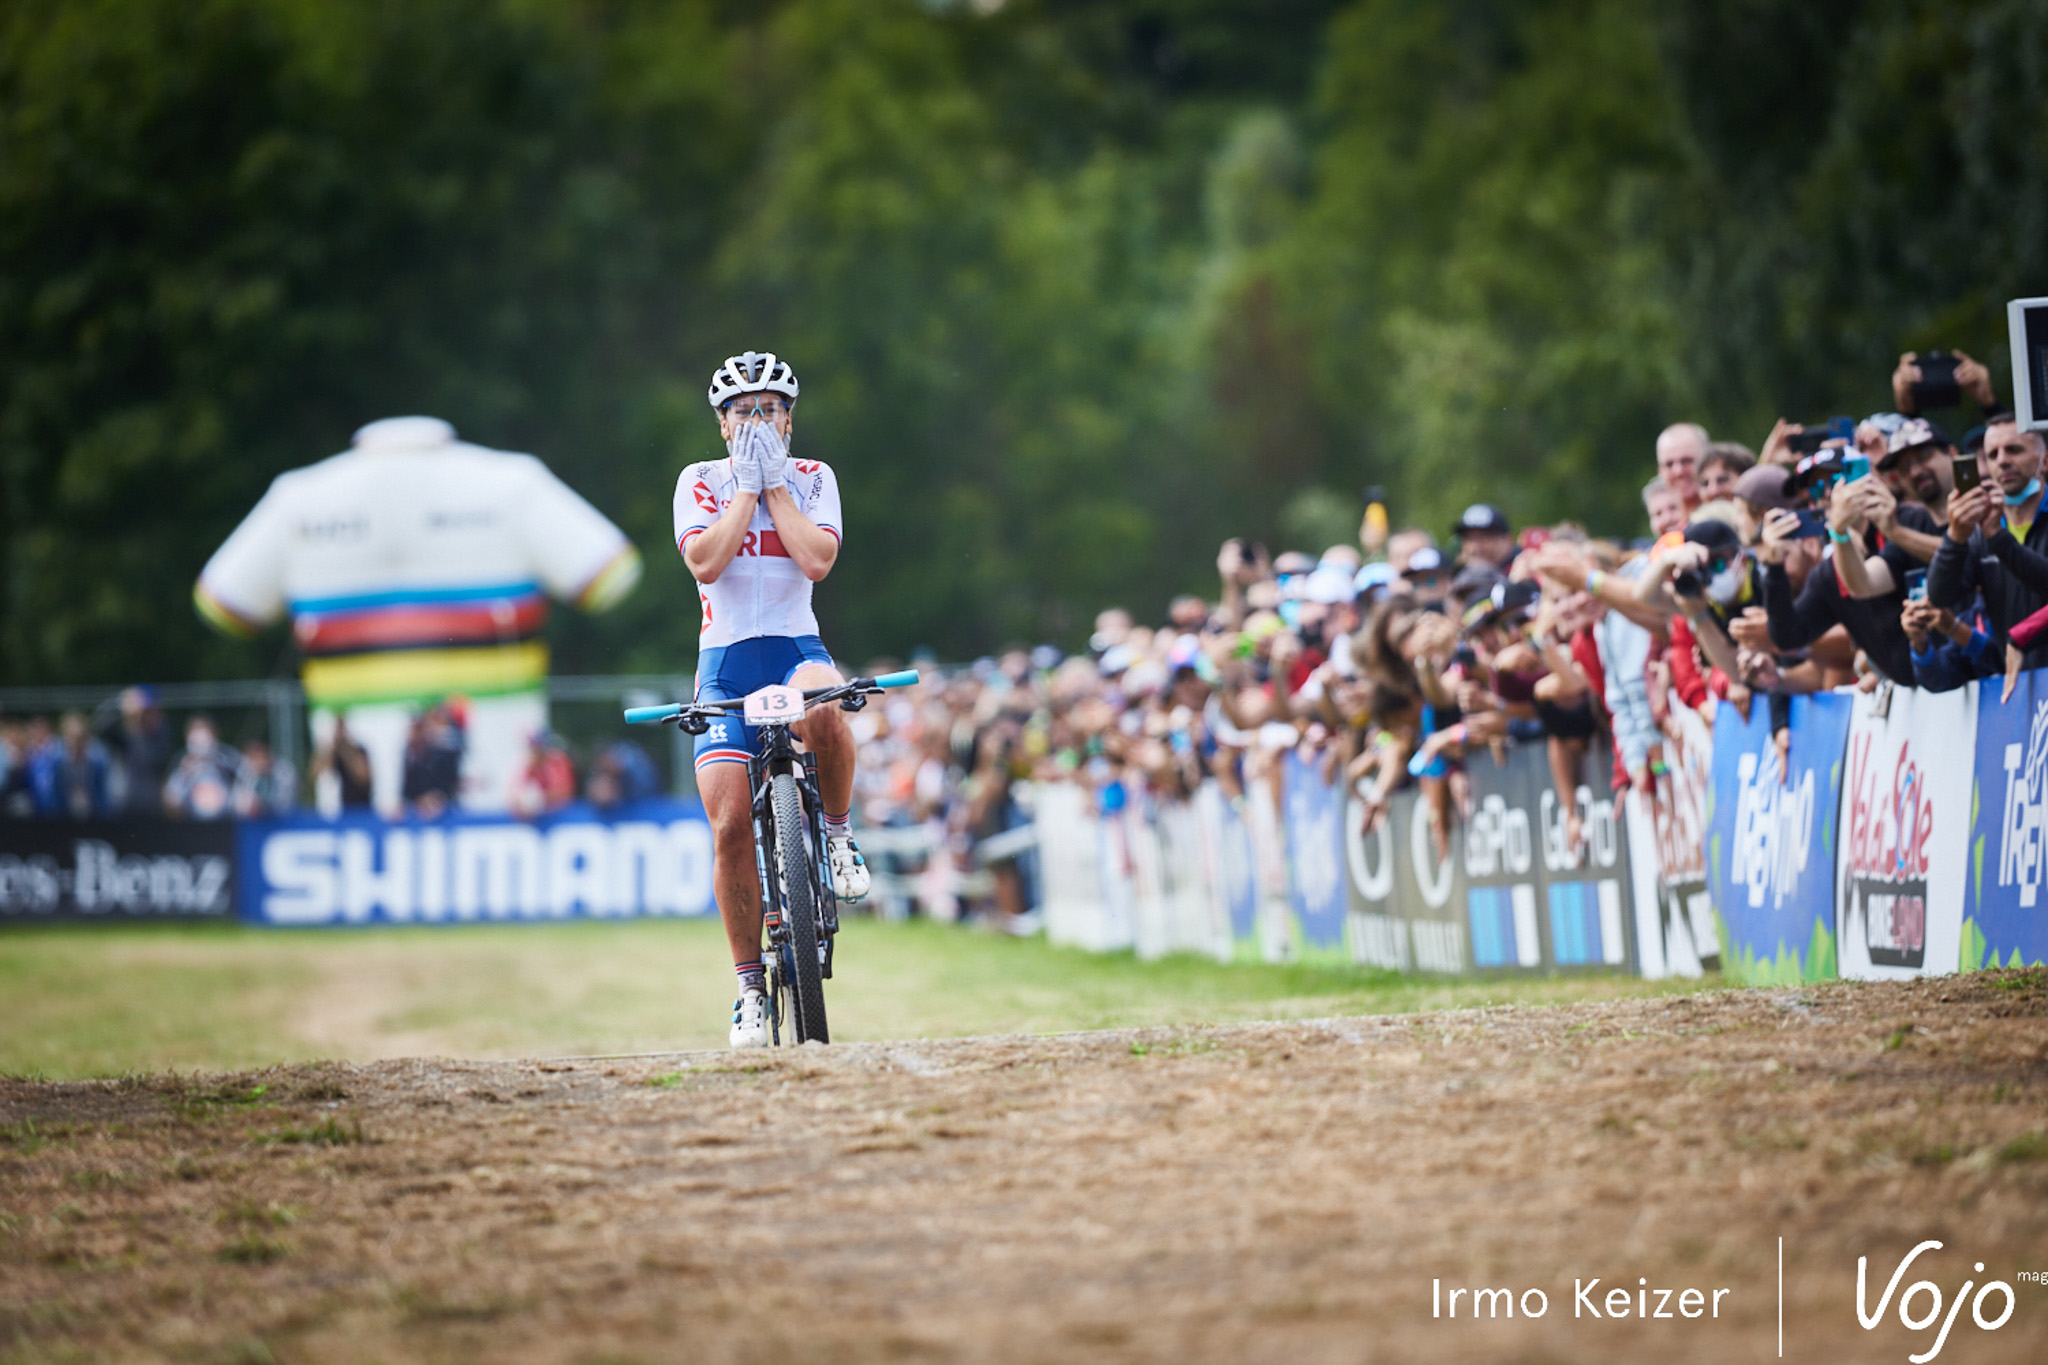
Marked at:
<point>774,705</point>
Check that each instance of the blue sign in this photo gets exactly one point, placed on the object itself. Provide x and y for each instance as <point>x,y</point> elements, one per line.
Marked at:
<point>2005,895</point>
<point>1315,852</point>
<point>1771,839</point>
<point>647,858</point>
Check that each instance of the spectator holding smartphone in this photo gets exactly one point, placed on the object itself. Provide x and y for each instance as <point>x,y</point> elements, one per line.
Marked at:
<point>1997,543</point>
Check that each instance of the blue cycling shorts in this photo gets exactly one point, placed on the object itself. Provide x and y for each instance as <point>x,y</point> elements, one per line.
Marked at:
<point>728,672</point>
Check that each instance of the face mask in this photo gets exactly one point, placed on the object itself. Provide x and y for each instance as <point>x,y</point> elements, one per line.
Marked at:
<point>2032,489</point>
<point>1724,586</point>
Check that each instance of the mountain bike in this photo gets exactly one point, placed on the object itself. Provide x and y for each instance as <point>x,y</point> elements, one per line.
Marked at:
<point>798,906</point>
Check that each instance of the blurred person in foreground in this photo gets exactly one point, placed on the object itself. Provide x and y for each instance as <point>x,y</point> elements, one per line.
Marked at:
<point>202,784</point>
<point>264,783</point>
<point>140,747</point>
<point>1680,447</point>
<point>341,773</point>
<point>1485,538</point>
<point>415,566</point>
<point>757,530</point>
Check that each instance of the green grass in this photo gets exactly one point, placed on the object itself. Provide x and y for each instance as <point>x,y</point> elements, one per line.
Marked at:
<point>104,1001</point>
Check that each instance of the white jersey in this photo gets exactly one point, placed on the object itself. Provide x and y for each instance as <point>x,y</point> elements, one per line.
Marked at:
<point>762,592</point>
<point>416,565</point>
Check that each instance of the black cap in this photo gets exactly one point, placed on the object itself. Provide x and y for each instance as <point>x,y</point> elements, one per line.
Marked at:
<point>1475,581</point>
<point>1719,537</point>
<point>1482,518</point>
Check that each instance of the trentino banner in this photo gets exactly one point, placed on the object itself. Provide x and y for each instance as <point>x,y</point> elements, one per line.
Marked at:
<point>2005,893</point>
<point>1771,838</point>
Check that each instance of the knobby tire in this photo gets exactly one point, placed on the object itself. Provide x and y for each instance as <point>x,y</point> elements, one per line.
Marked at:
<point>800,908</point>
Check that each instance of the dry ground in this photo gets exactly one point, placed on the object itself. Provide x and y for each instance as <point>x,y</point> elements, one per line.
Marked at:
<point>1248,1192</point>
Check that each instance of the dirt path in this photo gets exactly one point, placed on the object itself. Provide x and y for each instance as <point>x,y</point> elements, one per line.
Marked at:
<point>1258,1192</point>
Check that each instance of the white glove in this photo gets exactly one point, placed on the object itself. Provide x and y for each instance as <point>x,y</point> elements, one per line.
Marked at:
<point>745,467</point>
<point>771,454</point>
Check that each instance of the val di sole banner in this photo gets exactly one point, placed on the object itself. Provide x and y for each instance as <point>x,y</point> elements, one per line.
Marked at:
<point>2005,891</point>
<point>1904,821</point>
<point>1512,895</point>
<point>1771,840</point>
<point>652,858</point>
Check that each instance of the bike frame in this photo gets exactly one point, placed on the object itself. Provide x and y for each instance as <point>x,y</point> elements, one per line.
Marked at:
<point>779,753</point>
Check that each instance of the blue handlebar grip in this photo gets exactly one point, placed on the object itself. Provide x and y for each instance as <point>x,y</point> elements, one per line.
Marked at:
<point>903,679</point>
<point>648,715</point>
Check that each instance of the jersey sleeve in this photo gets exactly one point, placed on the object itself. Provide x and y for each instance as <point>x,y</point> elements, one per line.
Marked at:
<point>242,588</point>
<point>696,503</point>
<point>573,549</point>
<point>820,489</point>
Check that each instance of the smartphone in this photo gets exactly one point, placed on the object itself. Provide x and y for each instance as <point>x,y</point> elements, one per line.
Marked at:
<point>1856,467</point>
<point>1937,387</point>
<point>1967,472</point>
<point>1916,585</point>
<point>1812,525</point>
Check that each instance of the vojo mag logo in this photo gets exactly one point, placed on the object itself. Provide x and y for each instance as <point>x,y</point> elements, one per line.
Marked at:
<point>2021,851</point>
<point>1923,1307</point>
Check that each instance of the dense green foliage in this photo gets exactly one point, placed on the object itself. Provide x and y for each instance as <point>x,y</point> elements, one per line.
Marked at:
<point>1075,288</point>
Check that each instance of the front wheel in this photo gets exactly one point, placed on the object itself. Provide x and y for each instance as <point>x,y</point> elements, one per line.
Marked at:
<point>800,910</point>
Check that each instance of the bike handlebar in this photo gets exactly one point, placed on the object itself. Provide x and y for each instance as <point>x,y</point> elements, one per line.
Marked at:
<point>654,715</point>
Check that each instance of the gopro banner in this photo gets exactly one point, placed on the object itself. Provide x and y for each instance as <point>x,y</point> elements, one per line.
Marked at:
<point>116,872</point>
<point>1771,839</point>
<point>649,858</point>
<point>1517,892</point>
<point>1667,843</point>
<point>1901,860</point>
<point>1535,897</point>
<point>2005,894</point>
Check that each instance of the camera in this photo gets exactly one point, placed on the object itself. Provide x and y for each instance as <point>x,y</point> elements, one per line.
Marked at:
<point>1937,387</point>
<point>1688,583</point>
<point>1815,436</point>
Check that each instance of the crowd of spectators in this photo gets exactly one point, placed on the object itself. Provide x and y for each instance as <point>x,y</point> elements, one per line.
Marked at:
<point>1873,553</point>
<point>131,766</point>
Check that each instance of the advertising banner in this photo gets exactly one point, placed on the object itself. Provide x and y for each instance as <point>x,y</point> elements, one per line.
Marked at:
<point>2005,892</point>
<point>649,858</point>
<point>1070,866</point>
<point>1531,901</point>
<point>1406,905</point>
<point>1315,856</point>
<point>111,872</point>
<point>1667,841</point>
<point>1905,820</point>
<point>1771,839</point>
<point>1223,851</point>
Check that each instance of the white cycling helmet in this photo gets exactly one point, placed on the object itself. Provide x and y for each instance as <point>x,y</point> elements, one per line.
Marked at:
<point>754,372</point>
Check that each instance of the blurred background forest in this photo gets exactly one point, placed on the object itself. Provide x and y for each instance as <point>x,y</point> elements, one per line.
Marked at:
<point>1075,289</point>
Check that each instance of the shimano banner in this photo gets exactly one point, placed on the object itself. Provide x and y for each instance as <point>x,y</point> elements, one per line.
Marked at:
<point>651,857</point>
<point>1900,862</point>
<point>2005,896</point>
<point>1771,839</point>
<point>111,871</point>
